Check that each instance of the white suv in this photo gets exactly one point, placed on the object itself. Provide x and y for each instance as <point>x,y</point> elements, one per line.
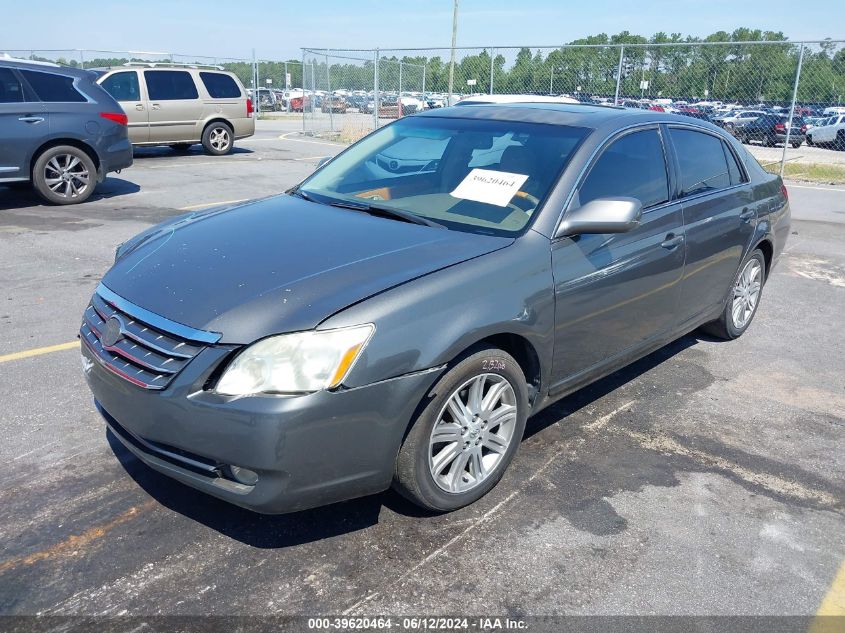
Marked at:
<point>829,132</point>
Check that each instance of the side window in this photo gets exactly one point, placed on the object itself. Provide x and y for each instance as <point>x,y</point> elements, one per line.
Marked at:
<point>170,85</point>
<point>220,86</point>
<point>52,88</point>
<point>734,171</point>
<point>702,160</point>
<point>123,86</point>
<point>11,90</point>
<point>633,166</point>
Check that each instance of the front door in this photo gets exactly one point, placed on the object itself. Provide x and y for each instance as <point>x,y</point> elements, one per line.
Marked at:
<point>126,89</point>
<point>24,123</point>
<point>174,106</point>
<point>615,293</point>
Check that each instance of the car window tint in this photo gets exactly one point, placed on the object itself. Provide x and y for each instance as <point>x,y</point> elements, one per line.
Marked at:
<point>632,166</point>
<point>11,90</point>
<point>123,86</point>
<point>170,85</point>
<point>734,171</point>
<point>702,161</point>
<point>52,88</point>
<point>220,86</point>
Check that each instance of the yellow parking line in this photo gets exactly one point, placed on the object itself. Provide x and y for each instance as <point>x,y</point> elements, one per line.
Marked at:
<point>831,614</point>
<point>38,351</point>
<point>211,204</point>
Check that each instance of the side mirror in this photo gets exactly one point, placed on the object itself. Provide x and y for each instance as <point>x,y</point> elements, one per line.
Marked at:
<point>603,215</point>
<point>323,161</point>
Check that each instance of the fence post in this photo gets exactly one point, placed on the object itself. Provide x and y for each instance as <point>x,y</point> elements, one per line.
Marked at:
<point>375,90</point>
<point>329,91</point>
<point>492,56</point>
<point>257,101</point>
<point>792,108</point>
<point>304,92</point>
<point>619,74</point>
<point>287,90</point>
<point>82,59</point>
<point>423,86</point>
<point>399,98</point>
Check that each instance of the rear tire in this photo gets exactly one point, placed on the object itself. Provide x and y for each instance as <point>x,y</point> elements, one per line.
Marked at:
<point>743,299</point>
<point>796,144</point>
<point>218,139</point>
<point>839,143</point>
<point>809,141</point>
<point>64,175</point>
<point>480,404</point>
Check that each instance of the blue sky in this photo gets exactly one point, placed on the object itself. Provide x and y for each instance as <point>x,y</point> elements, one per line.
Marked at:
<point>278,29</point>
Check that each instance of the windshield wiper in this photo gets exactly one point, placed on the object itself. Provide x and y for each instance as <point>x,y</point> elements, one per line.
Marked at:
<point>396,214</point>
<point>296,191</point>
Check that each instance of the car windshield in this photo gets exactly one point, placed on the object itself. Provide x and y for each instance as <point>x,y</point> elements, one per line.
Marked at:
<point>481,176</point>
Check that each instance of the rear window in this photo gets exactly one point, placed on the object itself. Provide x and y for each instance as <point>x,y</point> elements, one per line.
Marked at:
<point>220,86</point>
<point>52,88</point>
<point>170,85</point>
<point>11,90</point>
<point>702,161</point>
<point>123,86</point>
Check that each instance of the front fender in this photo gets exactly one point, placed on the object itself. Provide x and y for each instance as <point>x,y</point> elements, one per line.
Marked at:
<point>429,321</point>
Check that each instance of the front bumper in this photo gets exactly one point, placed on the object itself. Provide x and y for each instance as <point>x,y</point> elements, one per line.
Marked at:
<point>307,450</point>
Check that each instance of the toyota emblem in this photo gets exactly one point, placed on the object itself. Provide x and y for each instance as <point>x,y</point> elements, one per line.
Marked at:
<point>112,331</point>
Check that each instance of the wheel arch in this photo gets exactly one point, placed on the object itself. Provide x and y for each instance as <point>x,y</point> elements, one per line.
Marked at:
<point>765,245</point>
<point>55,142</point>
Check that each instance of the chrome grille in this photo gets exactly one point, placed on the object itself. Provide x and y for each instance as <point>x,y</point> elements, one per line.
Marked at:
<point>144,355</point>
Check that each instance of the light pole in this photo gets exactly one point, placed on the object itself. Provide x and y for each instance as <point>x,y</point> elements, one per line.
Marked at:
<point>452,59</point>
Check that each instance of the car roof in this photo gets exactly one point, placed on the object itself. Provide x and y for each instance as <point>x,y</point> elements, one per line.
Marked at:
<point>44,67</point>
<point>577,115</point>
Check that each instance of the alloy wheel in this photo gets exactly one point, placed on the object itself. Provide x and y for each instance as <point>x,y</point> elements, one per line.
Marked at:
<point>473,432</point>
<point>220,139</point>
<point>746,293</point>
<point>67,176</point>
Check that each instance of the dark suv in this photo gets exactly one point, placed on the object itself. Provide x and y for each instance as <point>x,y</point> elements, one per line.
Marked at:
<point>770,129</point>
<point>58,130</point>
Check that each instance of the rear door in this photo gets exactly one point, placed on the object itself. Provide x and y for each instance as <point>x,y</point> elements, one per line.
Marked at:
<point>127,90</point>
<point>174,106</point>
<point>615,293</point>
<point>24,122</point>
<point>719,217</point>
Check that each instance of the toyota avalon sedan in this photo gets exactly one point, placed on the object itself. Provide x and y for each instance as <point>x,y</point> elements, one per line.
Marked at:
<point>369,329</point>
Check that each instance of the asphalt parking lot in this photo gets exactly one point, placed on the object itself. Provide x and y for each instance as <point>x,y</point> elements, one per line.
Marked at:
<point>708,478</point>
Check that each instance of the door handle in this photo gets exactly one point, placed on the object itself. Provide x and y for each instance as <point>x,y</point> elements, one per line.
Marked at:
<point>139,106</point>
<point>672,241</point>
<point>31,119</point>
<point>156,106</point>
<point>747,215</point>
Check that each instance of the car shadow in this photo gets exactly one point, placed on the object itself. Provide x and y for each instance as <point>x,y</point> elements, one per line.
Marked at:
<point>23,196</point>
<point>286,530</point>
<point>164,151</point>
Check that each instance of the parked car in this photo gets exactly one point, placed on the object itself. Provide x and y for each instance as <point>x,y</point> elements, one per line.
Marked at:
<point>359,102</point>
<point>59,131</point>
<point>830,131</point>
<point>738,118</point>
<point>334,103</point>
<point>360,332</point>
<point>298,100</point>
<point>771,129</point>
<point>181,105</point>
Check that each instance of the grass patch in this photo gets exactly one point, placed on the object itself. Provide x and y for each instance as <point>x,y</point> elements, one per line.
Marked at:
<point>810,172</point>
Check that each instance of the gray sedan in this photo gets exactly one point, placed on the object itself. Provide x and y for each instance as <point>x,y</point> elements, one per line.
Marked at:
<point>370,329</point>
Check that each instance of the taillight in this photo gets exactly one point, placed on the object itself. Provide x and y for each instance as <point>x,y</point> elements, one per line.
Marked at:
<point>780,127</point>
<point>117,117</point>
<point>784,191</point>
<point>803,129</point>
<point>249,108</point>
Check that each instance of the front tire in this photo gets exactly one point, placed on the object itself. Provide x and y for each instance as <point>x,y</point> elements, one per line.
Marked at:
<point>218,139</point>
<point>465,437</point>
<point>743,300</point>
<point>839,143</point>
<point>64,175</point>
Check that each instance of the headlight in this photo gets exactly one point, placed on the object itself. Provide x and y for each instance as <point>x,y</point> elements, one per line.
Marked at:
<point>295,363</point>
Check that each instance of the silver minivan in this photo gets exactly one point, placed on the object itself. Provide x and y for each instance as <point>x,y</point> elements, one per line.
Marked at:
<point>180,105</point>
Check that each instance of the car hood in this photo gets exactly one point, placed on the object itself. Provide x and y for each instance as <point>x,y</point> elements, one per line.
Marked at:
<point>281,264</point>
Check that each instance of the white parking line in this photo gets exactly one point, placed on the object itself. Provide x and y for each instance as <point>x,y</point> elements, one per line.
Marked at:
<point>791,186</point>
<point>284,137</point>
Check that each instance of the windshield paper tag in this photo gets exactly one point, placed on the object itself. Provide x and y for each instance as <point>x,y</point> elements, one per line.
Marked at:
<point>490,187</point>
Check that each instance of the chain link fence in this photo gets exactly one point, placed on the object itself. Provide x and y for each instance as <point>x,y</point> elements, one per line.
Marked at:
<point>352,92</point>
